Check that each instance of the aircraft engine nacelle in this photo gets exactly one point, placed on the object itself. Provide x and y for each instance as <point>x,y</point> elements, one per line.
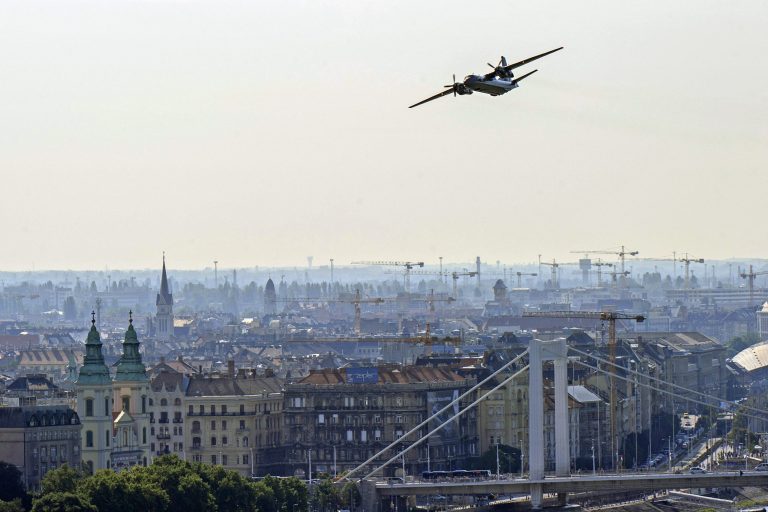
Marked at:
<point>462,90</point>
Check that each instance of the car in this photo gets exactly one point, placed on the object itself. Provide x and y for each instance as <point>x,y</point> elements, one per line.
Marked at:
<point>697,470</point>
<point>763,466</point>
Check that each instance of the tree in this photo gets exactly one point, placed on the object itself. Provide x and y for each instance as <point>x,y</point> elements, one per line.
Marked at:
<point>350,495</point>
<point>70,309</point>
<point>124,492</point>
<point>11,506</point>
<point>326,496</point>
<point>509,459</point>
<point>63,479</point>
<point>11,484</point>
<point>62,502</point>
<point>187,490</point>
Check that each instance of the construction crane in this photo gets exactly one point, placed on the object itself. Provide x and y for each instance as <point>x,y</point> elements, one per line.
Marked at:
<point>431,299</point>
<point>456,275</point>
<point>610,317</point>
<point>600,264</point>
<point>750,277</point>
<point>408,265</point>
<point>555,265</point>
<point>622,254</point>
<point>356,301</point>
<point>614,274</point>
<point>520,277</point>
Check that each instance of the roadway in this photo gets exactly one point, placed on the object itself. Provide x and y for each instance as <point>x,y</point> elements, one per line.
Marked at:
<point>585,483</point>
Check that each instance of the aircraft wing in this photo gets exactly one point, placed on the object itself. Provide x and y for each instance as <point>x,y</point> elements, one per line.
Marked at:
<point>440,95</point>
<point>530,59</point>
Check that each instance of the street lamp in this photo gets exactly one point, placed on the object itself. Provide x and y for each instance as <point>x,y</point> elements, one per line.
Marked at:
<point>594,469</point>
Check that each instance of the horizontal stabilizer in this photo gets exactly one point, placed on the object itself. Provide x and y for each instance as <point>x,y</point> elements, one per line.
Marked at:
<point>524,76</point>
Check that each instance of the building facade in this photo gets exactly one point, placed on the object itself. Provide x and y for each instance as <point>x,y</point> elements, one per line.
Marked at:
<point>39,439</point>
<point>235,420</point>
<point>337,419</point>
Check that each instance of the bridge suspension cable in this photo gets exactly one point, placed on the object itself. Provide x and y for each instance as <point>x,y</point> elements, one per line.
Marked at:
<point>449,420</point>
<point>426,422</point>
<point>662,381</point>
<point>676,395</point>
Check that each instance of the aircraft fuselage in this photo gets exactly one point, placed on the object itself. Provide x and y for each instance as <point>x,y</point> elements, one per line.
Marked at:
<point>495,86</point>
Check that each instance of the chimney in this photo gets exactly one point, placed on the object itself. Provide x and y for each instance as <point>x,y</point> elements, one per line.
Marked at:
<point>231,368</point>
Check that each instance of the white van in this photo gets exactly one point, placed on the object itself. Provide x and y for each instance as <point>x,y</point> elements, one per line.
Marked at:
<point>763,466</point>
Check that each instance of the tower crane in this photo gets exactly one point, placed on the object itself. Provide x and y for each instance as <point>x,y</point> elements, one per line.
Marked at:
<point>610,317</point>
<point>356,300</point>
<point>600,264</point>
<point>456,275</point>
<point>555,265</point>
<point>613,275</point>
<point>686,260</point>
<point>408,265</point>
<point>520,277</point>
<point>750,277</point>
<point>622,254</point>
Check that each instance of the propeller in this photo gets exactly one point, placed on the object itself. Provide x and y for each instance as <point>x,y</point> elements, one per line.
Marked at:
<point>454,84</point>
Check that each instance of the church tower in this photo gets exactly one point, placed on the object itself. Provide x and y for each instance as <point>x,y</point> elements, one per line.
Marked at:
<point>94,404</point>
<point>164,303</point>
<point>130,396</point>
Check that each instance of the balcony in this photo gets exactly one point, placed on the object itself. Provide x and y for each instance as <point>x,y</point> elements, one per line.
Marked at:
<point>163,435</point>
<point>197,447</point>
<point>196,431</point>
<point>163,420</point>
<point>243,430</point>
<point>178,420</point>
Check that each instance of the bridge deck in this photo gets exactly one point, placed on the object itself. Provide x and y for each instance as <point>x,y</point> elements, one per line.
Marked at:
<point>605,482</point>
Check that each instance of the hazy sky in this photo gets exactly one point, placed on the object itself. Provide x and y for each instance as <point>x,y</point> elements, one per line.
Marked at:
<point>258,133</point>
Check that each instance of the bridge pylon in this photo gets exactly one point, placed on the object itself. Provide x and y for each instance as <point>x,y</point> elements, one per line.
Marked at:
<point>538,352</point>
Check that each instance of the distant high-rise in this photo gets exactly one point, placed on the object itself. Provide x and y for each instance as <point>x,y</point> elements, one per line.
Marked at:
<point>762,322</point>
<point>270,298</point>
<point>164,303</point>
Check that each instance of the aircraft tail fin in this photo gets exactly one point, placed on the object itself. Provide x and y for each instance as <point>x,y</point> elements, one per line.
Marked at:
<point>503,61</point>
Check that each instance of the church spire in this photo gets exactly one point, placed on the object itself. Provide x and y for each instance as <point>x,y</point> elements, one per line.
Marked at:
<point>164,297</point>
<point>94,370</point>
<point>130,367</point>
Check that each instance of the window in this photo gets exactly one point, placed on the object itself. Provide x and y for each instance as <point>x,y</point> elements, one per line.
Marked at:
<point>242,409</point>
<point>106,437</point>
<point>242,424</point>
<point>143,405</point>
<point>223,460</point>
<point>399,418</point>
<point>127,403</point>
<point>398,433</point>
<point>177,401</point>
<point>245,442</point>
<point>245,459</point>
<point>213,441</point>
<point>363,436</point>
<point>195,426</point>
<point>213,425</point>
<point>163,402</point>
<point>107,408</point>
<point>191,410</point>
<point>202,409</point>
<point>350,435</point>
<point>89,406</point>
<point>224,425</point>
<point>144,435</point>
<point>321,419</point>
<point>377,435</point>
<point>377,419</point>
<point>224,440</point>
<point>213,459</point>
<point>88,440</point>
<point>399,401</point>
<point>213,410</point>
<point>223,409</point>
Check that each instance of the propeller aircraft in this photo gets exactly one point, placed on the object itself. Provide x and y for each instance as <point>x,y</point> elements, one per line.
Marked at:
<point>497,82</point>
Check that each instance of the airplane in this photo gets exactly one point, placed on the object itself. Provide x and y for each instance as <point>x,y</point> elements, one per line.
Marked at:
<point>497,82</point>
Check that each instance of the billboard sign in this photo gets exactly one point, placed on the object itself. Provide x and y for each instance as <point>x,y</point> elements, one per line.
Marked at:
<point>362,375</point>
<point>436,400</point>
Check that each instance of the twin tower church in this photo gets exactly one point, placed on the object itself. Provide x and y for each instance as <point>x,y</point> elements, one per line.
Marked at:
<point>114,412</point>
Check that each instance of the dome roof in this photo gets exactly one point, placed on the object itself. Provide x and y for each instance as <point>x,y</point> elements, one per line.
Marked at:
<point>753,358</point>
<point>499,285</point>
